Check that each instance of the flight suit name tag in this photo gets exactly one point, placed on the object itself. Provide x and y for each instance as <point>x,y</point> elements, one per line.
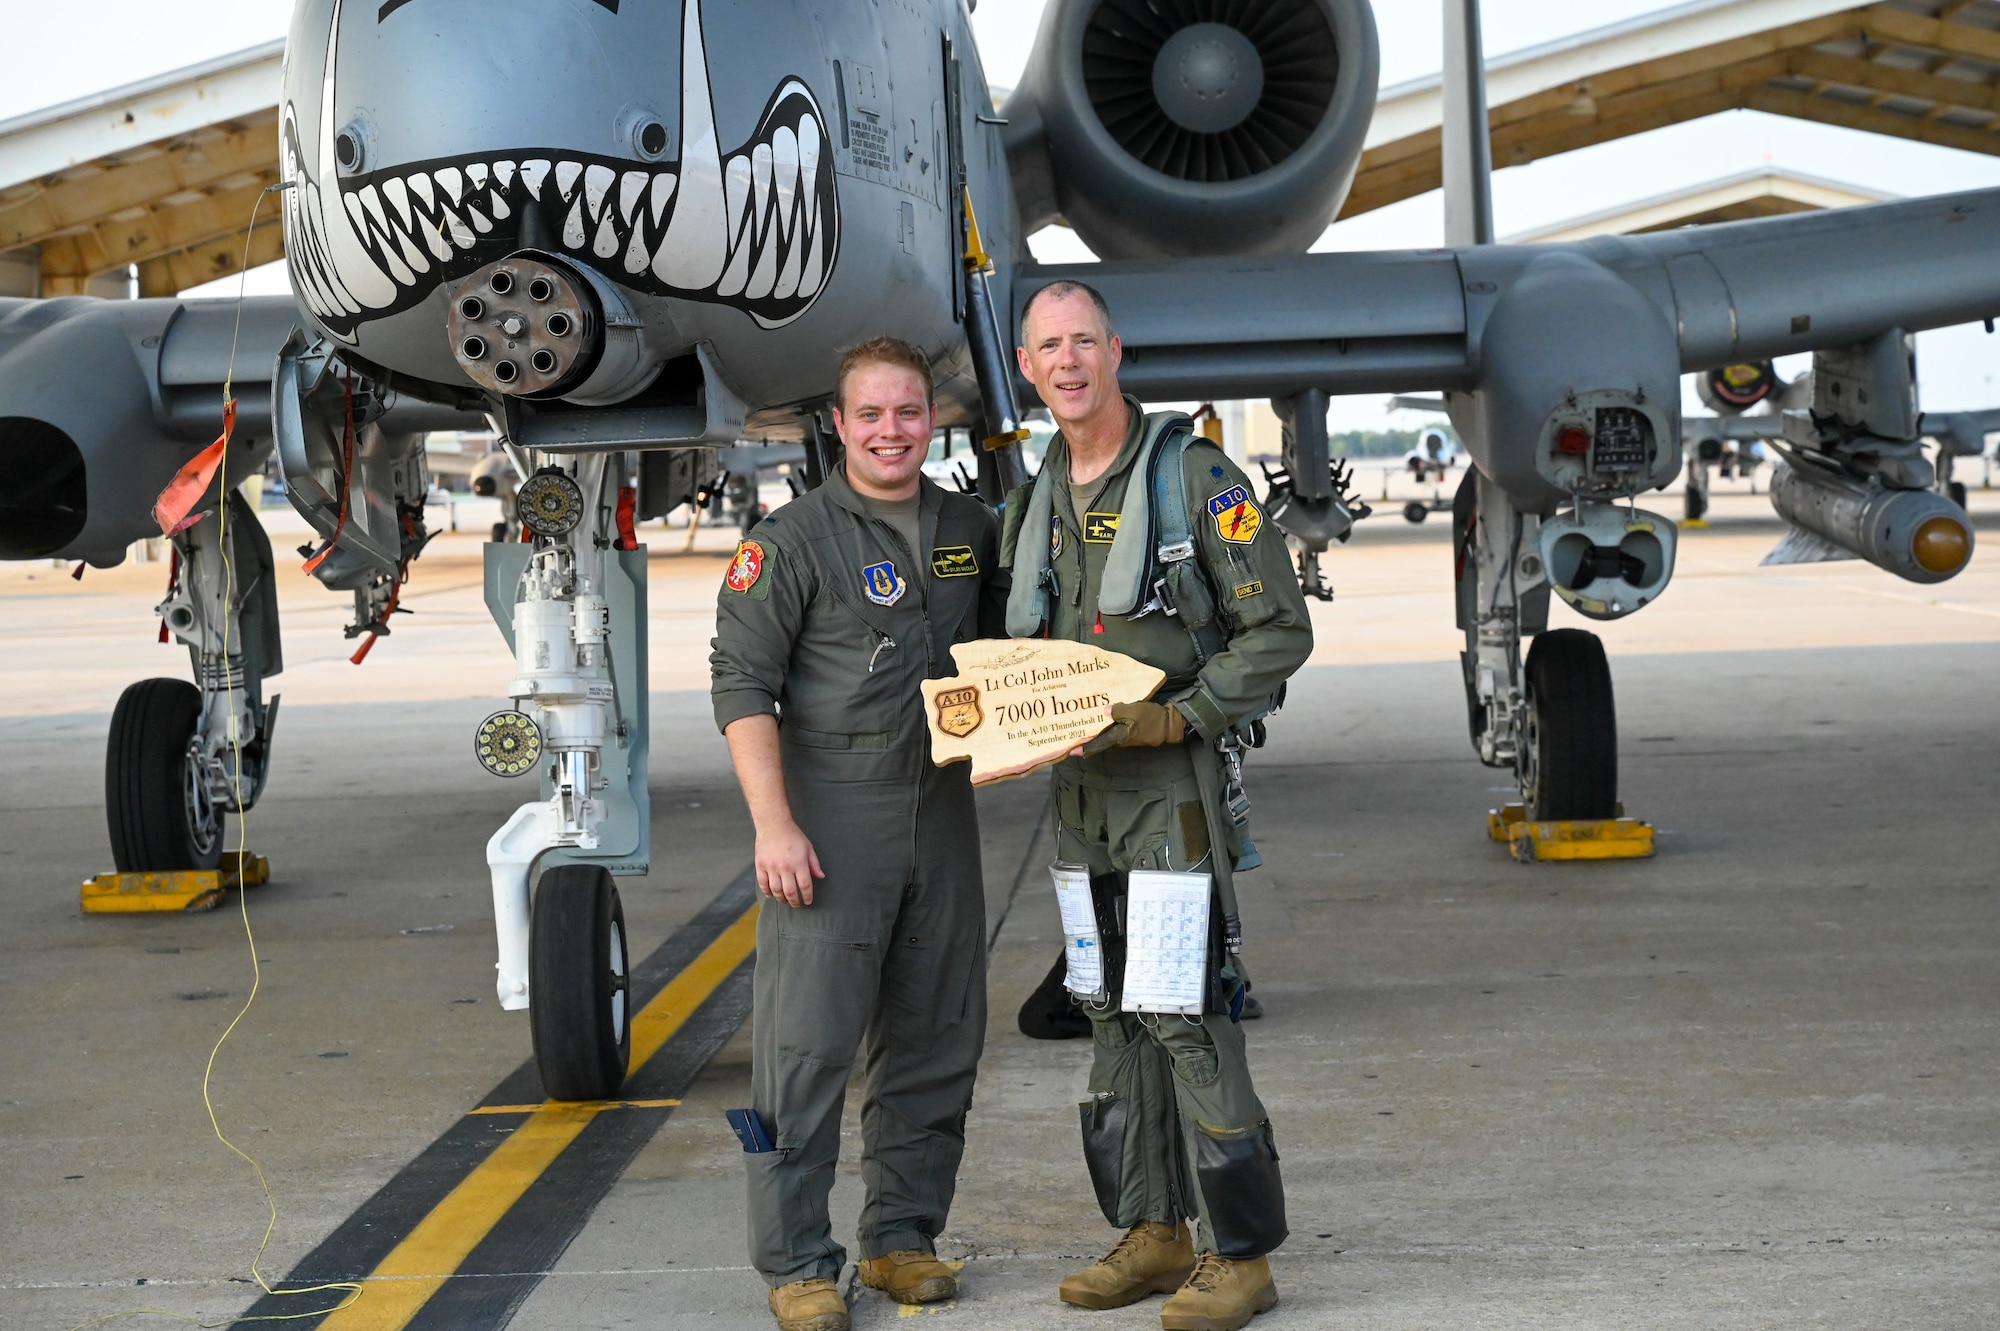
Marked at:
<point>1021,703</point>
<point>1100,528</point>
<point>954,561</point>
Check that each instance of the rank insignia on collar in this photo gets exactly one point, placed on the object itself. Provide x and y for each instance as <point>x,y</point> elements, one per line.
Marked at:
<point>1236,517</point>
<point>1100,528</point>
<point>953,561</point>
<point>882,584</point>
<point>1055,537</point>
<point>746,568</point>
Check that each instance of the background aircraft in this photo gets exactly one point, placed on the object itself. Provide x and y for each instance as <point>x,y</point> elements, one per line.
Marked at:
<point>662,251</point>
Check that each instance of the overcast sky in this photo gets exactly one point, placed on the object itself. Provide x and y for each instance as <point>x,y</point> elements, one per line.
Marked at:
<point>133,39</point>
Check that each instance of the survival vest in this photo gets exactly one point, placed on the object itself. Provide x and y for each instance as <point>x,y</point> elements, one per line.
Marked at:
<point>1152,566</point>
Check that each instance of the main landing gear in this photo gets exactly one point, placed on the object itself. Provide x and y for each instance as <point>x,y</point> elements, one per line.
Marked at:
<point>1552,720</point>
<point>181,757</point>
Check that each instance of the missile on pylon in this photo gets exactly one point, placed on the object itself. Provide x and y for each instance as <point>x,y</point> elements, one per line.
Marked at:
<point>1915,534</point>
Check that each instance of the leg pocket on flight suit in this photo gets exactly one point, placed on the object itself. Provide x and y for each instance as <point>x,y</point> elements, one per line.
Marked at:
<point>1103,1120</point>
<point>827,980</point>
<point>1139,828</point>
<point>1237,1171</point>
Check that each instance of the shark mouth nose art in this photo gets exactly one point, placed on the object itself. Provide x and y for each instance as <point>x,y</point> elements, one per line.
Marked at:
<point>757,229</point>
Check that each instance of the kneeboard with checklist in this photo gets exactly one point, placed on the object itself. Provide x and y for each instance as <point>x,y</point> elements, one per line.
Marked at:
<point>1166,942</point>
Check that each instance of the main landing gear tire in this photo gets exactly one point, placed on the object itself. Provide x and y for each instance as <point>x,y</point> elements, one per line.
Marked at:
<point>1956,492</point>
<point>1415,512</point>
<point>579,977</point>
<point>1694,504</point>
<point>1569,746</point>
<point>158,809</point>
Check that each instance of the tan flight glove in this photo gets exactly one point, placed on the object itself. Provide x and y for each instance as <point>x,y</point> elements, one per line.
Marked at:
<point>1140,725</point>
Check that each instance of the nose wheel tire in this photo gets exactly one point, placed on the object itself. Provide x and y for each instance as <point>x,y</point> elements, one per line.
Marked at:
<point>579,984</point>
<point>1568,752</point>
<point>156,804</point>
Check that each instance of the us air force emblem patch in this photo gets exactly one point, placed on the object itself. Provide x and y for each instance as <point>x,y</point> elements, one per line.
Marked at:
<point>882,584</point>
<point>1236,518</point>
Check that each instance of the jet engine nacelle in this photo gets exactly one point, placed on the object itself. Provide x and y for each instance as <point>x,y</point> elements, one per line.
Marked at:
<point>1201,128</point>
<point>101,402</point>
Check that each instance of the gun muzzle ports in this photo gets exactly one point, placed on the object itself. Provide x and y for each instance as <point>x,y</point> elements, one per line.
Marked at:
<point>529,325</point>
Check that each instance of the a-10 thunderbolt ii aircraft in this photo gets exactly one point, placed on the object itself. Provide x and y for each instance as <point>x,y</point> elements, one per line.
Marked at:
<point>619,226</point>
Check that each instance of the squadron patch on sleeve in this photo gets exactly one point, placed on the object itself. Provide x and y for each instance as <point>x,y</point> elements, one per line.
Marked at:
<point>954,561</point>
<point>1236,517</point>
<point>746,568</point>
<point>882,584</point>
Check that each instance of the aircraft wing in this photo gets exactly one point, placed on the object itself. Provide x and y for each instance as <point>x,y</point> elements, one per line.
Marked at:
<point>1412,320</point>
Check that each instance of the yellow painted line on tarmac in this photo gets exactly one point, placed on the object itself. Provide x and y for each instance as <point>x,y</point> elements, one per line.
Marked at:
<point>599,1105</point>
<point>418,1267</point>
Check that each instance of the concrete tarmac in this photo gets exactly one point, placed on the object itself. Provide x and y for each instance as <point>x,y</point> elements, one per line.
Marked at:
<point>1753,1082</point>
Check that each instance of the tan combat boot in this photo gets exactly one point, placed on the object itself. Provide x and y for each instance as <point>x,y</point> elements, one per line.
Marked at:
<point>809,1305</point>
<point>1151,1259</point>
<point>910,1276</point>
<point>1222,1295</point>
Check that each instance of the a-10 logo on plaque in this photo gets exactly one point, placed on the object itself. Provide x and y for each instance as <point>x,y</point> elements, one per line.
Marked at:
<point>958,713</point>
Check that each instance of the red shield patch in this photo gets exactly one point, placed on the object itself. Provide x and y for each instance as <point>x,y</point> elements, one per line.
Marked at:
<point>746,568</point>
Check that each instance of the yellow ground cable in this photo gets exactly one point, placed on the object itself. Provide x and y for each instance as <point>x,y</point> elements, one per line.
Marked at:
<point>418,1267</point>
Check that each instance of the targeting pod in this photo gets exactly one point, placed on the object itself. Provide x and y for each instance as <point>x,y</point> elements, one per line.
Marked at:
<point>1915,534</point>
<point>1607,561</point>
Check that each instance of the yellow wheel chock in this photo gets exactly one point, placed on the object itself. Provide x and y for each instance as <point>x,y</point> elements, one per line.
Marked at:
<point>186,890</point>
<point>1619,838</point>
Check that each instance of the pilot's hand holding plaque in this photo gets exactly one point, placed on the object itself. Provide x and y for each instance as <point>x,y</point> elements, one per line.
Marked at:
<point>1021,703</point>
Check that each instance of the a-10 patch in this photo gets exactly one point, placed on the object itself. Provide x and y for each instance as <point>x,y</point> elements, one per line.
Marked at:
<point>1100,528</point>
<point>1236,517</point>
<point>953,561</point>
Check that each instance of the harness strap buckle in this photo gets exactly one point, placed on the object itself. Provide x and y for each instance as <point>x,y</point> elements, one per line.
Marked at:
<point>1179,550</point>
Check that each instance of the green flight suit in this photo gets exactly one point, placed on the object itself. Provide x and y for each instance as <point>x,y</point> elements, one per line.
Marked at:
<point>1174,1125</point>
<point>828,621</point>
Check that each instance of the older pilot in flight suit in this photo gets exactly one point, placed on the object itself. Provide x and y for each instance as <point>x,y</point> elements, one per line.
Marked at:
<point>1173,1127</point>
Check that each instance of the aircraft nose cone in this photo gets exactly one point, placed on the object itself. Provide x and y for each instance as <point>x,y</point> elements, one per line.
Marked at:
<point>1941,545</point>
<point>1208,77</point>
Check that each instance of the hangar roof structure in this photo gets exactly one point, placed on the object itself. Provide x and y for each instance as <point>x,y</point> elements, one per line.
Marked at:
<point>1914,69</point>
<point>164,173</point>
<point>1767,192</point>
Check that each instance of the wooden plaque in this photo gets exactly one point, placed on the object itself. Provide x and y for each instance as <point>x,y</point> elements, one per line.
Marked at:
<point>1021,703</point>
